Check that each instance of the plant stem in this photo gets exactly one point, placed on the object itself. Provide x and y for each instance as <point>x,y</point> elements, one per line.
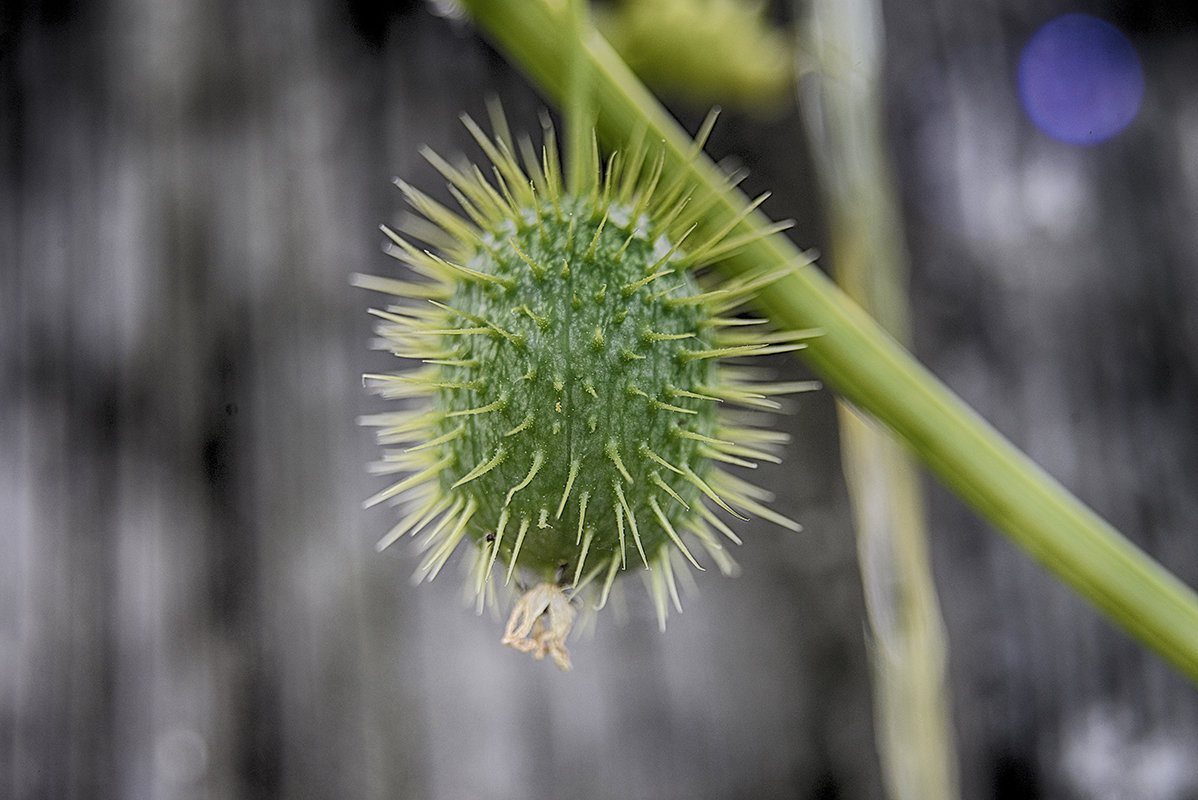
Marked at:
<point>580,118</point>
<point>872,371</point>
<point>868,254</point>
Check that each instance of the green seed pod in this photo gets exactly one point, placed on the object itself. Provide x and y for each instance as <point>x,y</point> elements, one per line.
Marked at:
<point>568,416</point>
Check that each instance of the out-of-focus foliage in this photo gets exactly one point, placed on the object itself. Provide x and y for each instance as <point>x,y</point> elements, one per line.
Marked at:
<point>704,51</point>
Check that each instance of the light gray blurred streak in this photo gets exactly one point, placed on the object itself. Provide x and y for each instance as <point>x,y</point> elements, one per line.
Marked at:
<point>143,611</point>
<point>486,720</point>
<point>63,510</point>
<point>16,511</point>
<point>1107,758</point>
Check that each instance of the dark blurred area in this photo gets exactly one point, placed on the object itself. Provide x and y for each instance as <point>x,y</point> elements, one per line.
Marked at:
<point>190,601</point>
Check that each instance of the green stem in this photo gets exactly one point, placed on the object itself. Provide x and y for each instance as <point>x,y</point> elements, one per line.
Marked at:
<point>872,371</point>
<point>913,721</point>
<point>580,120</point>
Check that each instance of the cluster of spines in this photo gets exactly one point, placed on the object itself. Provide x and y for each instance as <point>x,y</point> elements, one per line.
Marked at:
<point>519,195</point>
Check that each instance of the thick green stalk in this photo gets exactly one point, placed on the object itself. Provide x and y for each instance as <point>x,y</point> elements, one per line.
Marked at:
<point>869,369</point>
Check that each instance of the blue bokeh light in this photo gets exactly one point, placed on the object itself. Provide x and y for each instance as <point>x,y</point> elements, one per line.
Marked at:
<point>1080,80</point>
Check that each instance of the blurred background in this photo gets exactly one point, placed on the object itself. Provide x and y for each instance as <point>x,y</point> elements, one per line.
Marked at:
<point>190,600</point>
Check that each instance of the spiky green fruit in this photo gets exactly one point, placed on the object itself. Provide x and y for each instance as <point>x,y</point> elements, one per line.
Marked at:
<point>569,418</point>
